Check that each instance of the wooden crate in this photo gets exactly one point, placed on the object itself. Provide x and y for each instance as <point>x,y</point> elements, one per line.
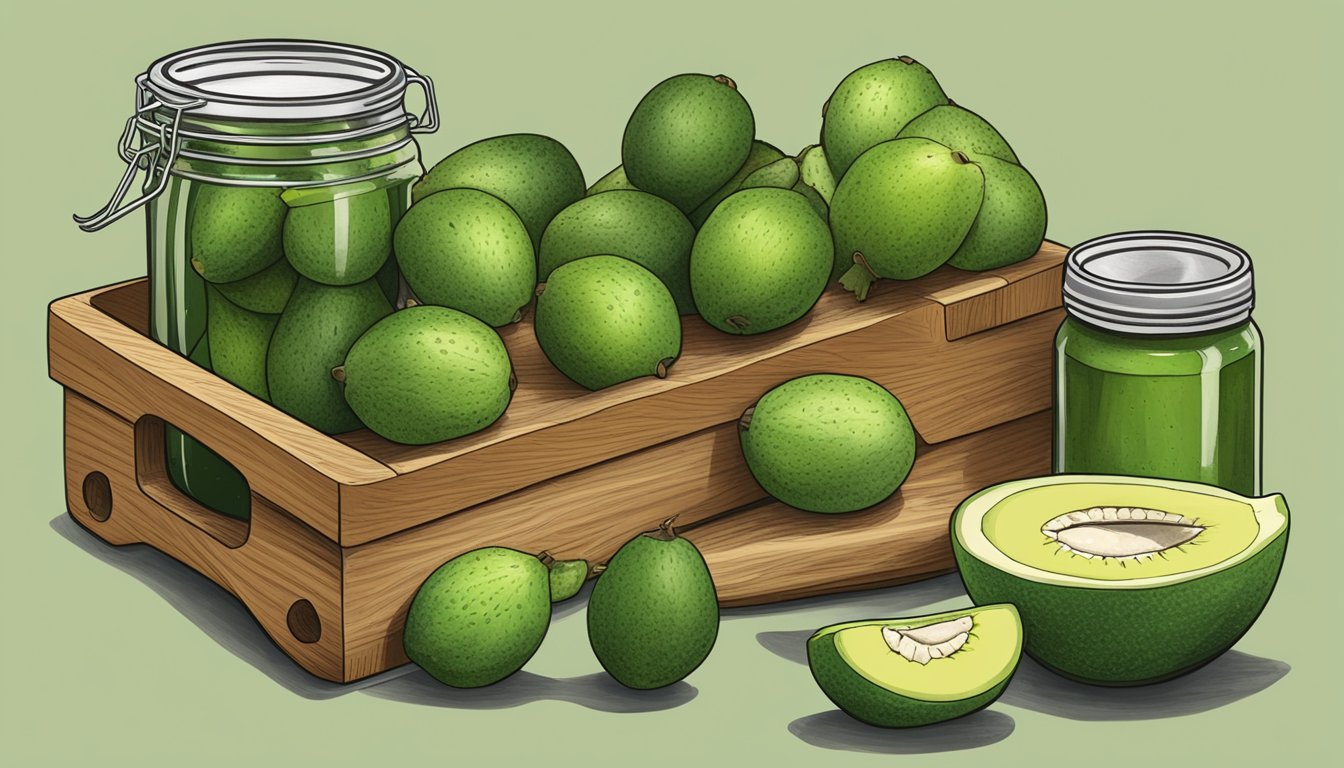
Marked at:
<point>343,529</point>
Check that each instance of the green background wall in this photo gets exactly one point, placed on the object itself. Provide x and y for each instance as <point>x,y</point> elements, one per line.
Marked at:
<point>1136,115</point>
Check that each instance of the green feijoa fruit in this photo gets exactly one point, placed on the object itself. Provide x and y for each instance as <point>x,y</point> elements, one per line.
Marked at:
<point>828,443</point>
<point>315,332</point>
<point>466,249</point>
<point>760,261</point>
<point>653,615</point>
<point>902,210</point>
<point>534,174</point>
<point>629,223</point>
<point>960,129</point>
<point>1011,222</point>
<point>687,137</point>
<point>239,340</point>
<point>567,576</point>
<point>615,179</point>
<point>871,105</point>
<point>479,617</point>
<point>341,241</point>
<point>426,374</point>
<point>815,172</point>
<point>761,155</point>
<point>235,231</point>
<point>265,292</point>
<point>602,320</point>
<point>781,174</point>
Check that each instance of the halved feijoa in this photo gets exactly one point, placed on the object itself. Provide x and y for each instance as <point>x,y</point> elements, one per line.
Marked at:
<point>1122,580</point>
<point>904,672</point>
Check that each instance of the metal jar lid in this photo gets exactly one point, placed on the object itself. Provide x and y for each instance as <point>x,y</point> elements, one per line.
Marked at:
<point>1158,283</point>
<point>272,92</point>
<point>291,80</point>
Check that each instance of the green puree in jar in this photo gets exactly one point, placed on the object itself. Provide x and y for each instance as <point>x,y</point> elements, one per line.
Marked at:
<point>1158,365</point>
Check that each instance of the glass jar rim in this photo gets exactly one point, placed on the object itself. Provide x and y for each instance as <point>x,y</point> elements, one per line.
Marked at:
<point>1158,282</point>
<point>280,80</point>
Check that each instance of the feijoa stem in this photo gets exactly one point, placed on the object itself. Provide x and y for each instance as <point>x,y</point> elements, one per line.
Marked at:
<point>663,366</point>
<point>546,558</point>
<point>513,381</point>
<point>905,60</point>
<point>744,421</point>
<point>859,278</point>
<point>960,157</point>
<point>541,288</point>
<point>725,80</point>
<point>338,373</point>
<point>665,530</point>
<point>411,301</point>
<point>739,322</point>
<point>197,265</point>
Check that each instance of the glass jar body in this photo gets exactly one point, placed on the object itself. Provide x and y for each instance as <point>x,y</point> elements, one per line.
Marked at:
<point>237,227</point>
<point>1182,407</point>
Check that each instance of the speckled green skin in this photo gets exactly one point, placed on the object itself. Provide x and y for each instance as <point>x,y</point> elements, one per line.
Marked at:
<point>426,374</point>
<point>319,253</point>
<point>653,615</point>
<point>781,174</point>
<point>816,183</point>
<point>1011,222</point>
<point>829,443</point>
<point>236,231</point>
<point>818,204</point>
<point>906,205</point>
<point>629,223</point>
<point>534,174</point>
<point>871,105</point>
<point>265,292</point>
<point>315,332</point>
<point>763,258</point>
<point>1120,637</point>
<point>815,172</point>
<point>567,577</point>
<point>479,617</point>
<point>959,128</point>
<point>686,138</point>
<point>602,320</point>
<point>868,702</point>
<point>465,249</point>
<point>761,155</point>
<point>239,340</point>
<point>615,179</point>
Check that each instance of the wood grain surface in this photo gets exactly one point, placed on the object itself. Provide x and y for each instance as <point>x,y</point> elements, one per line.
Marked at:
<point>982,335</point>
<point>295,466</point>
<point>276,563</point>
<point>773,552</point>
<point>761,554</point>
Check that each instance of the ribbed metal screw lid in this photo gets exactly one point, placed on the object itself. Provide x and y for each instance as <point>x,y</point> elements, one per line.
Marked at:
<point>1158,283</point>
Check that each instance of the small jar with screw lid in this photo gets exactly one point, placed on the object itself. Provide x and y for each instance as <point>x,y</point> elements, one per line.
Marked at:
<point>1158,363</point>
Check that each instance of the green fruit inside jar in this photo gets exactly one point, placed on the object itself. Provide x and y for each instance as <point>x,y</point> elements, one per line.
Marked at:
<point>253,194</point>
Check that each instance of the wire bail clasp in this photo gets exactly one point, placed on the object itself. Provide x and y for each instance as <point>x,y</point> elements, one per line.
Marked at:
<point>429,121</point>
<point>157,151</point>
